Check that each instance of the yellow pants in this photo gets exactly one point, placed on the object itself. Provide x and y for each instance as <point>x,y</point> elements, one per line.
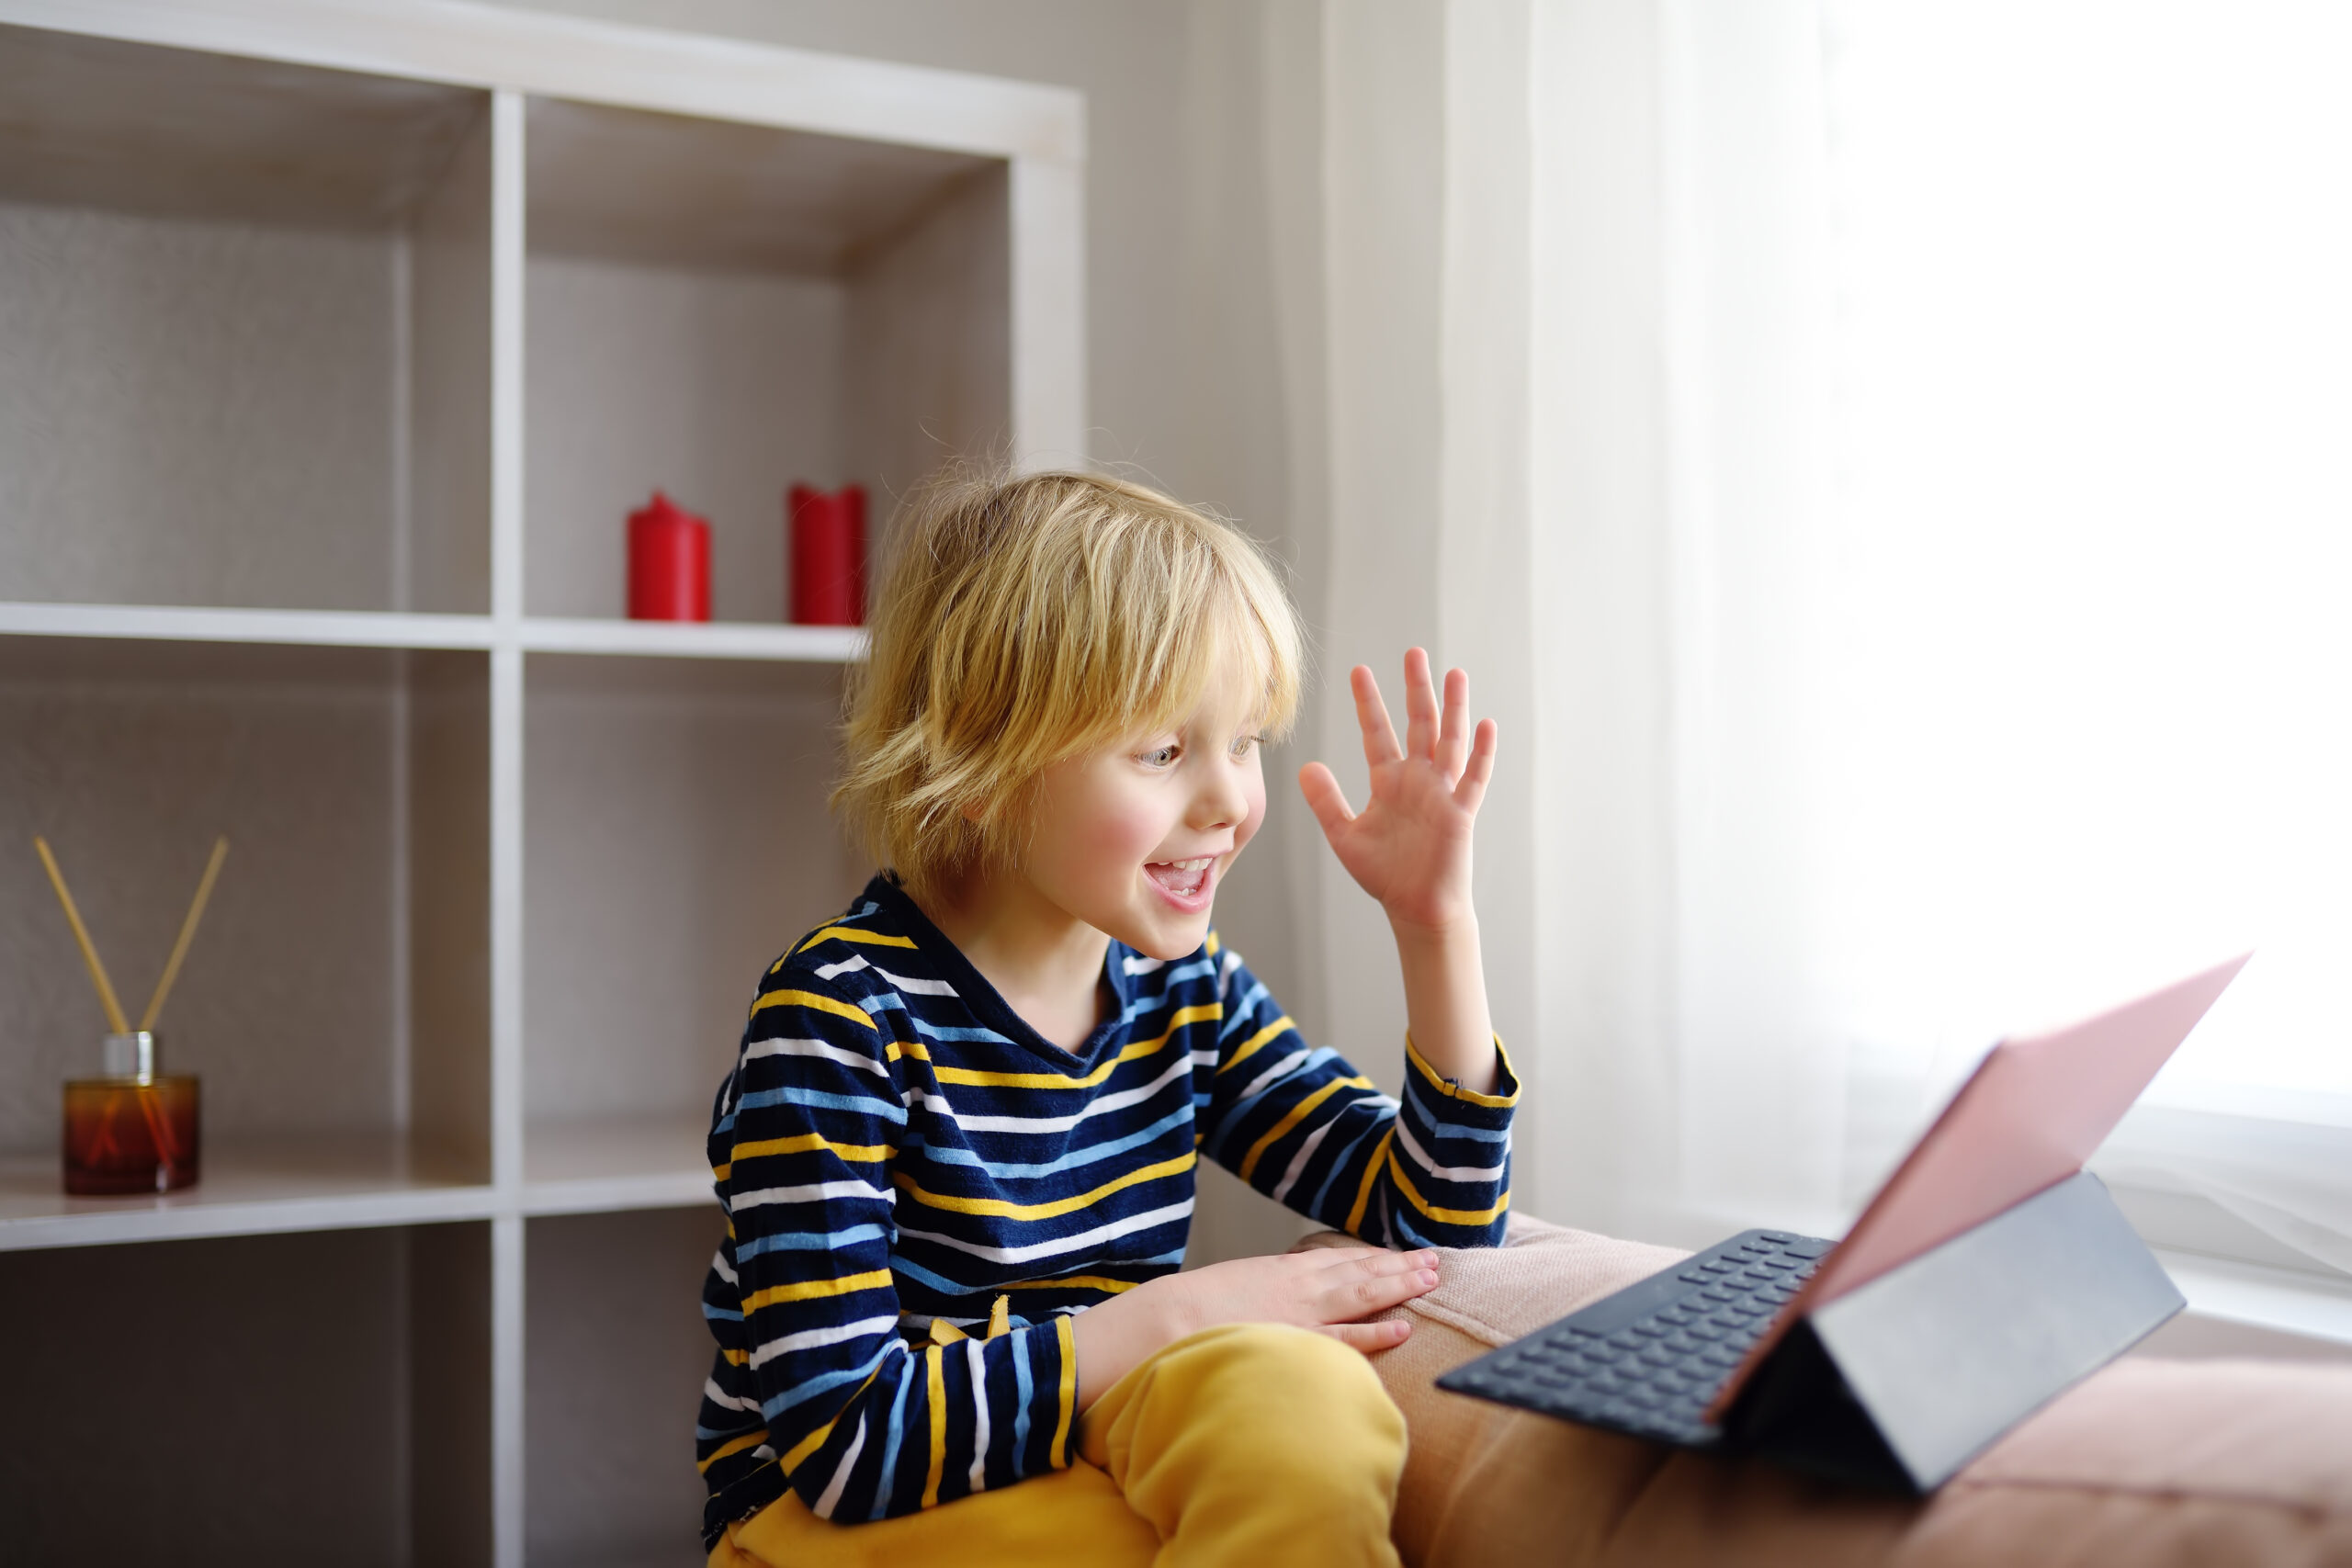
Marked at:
<point>1250,1443</point>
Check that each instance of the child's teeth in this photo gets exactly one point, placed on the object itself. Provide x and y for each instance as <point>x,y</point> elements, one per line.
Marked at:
<point>1184,875</point>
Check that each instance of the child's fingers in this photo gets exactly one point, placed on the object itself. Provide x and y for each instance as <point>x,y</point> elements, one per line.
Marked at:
<point>1421,706</point>
<point>1370,1337</point>
<point>1377,1259</point>
<point>1358,1253</point>
<point>1371,717</point>
<point>1346,1299</point>
<point>1324,798</point>
<point>1479,768</point>
<point>1454,733</point>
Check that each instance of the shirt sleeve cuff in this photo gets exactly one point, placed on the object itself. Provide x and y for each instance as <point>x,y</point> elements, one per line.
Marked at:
<point>1506,1080</point>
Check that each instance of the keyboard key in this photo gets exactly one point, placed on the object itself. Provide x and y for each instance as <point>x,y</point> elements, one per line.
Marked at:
<point>1626,1339</point>
<point>1650,1328</point>
<point>1717,1293</point>
<point>1676,1316</point>
<point>1707,1332</point>
<point>1780,1238</point>
<point>1810,1249</point>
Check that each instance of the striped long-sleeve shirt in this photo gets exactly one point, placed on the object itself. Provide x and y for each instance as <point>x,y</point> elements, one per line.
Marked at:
<point>902,1159</point>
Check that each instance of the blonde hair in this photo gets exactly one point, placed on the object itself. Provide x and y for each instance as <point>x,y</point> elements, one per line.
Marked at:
<point>1023,621</point>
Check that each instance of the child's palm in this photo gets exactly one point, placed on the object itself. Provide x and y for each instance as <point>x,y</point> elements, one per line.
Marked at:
<point>1409,847</point>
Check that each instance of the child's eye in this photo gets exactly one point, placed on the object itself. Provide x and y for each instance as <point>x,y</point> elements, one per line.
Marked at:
<point>1241,747</point>
<point>1159,757</point>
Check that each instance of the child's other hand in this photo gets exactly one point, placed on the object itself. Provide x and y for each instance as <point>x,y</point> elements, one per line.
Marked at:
<point>1409,847</point>
<point>1330,1290</point>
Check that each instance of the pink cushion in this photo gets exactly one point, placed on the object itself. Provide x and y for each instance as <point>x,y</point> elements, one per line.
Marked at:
<point>2148,1463</point>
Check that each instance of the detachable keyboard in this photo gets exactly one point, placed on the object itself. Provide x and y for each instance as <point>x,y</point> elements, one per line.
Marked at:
<point>1649,1360</point>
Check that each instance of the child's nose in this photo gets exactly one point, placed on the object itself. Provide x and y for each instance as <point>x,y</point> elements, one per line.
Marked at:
<point>1220,802</point>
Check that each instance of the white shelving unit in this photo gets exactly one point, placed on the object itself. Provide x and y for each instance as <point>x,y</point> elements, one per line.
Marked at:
<point>341,335</point>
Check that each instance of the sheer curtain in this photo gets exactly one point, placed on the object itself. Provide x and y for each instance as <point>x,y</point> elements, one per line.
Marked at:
<point>2006,445</point>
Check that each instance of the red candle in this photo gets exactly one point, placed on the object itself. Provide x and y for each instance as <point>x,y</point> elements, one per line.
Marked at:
<point>669,563</point>
<point>825,583</point>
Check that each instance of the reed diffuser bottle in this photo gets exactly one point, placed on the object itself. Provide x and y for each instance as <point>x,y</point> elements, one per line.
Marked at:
<point>133,1129</point>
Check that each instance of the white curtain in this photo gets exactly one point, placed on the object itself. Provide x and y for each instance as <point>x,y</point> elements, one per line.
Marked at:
<point>2002,515</point>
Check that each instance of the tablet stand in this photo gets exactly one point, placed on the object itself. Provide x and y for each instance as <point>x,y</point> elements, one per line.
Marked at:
<point>1899,1382</point>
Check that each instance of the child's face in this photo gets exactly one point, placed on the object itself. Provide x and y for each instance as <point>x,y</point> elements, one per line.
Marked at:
<point>1135,838</point>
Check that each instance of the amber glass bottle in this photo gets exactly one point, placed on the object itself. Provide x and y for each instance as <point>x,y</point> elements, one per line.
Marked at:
<point>133,1130</point>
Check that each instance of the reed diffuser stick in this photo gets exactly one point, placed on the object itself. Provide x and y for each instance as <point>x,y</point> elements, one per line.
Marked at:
<point>188,932</point>
<point>159,1133</point>
<point>115,1018</point>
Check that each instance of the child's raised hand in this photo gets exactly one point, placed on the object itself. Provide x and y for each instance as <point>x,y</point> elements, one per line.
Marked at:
<point>1409,847</point>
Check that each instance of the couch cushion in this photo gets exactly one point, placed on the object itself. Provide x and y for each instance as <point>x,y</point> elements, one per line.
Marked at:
<point>2147,1462</point>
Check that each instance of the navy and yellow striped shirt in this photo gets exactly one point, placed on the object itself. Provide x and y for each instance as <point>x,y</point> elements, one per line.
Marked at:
<point>902,1159</point>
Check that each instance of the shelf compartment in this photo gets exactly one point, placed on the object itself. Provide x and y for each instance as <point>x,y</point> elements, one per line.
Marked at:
<point>678,190</point>
<point>175,133</point>
<point>611,1163</point>
<point>721,310</point>
<point>617,1352</point>
<point>250,1188</point>
<point>247,309</point>
<point>322,1390</point>
<point>676,838</point>
<point>338,987</point>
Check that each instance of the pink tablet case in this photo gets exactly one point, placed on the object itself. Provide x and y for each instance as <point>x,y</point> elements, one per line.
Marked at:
<point>2030,1114</point>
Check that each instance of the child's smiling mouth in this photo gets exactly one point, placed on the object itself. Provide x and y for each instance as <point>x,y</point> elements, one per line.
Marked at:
<point>1185,882</point>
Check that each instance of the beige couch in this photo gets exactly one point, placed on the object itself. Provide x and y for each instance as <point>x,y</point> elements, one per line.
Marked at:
<point>2148,1463</point>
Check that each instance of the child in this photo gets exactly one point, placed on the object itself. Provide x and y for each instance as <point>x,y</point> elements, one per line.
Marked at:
<point>956,1151</point>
